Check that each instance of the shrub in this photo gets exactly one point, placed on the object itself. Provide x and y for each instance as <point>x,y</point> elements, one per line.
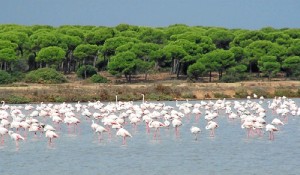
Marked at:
<point>86,71</point>
<point>189,95</point>
<point>45,75</point>
<point>5,78</point>
<point>231,78</point>
<point>261,92</point>
<point>285,92</point>
<point>17,76</point>
<point>163,89</point>
<point>17,99</point>
<point>241,93</point>
<point>98,79</point>
<point>221,95</point>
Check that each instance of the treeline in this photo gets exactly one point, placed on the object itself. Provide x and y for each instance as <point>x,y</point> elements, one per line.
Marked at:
<point>126,50</point>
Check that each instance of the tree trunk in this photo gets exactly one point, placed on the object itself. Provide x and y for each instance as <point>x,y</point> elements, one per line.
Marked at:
<point>95,59</point>
<point>178,69</point>
<point>209,76</point>
<point>5,68</point>
<point>129,78</point>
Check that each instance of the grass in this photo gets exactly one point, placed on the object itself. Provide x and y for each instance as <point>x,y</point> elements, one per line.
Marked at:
<point>72,92</point>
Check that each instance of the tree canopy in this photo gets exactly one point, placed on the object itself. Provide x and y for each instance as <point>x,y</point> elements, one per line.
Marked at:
<point>140,49</point>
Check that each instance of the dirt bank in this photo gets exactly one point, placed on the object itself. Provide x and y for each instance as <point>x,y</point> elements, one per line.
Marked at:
<point>167,90</point>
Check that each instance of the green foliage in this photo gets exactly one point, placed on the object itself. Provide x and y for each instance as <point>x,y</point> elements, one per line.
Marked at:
<point>292,66</point>
<point>84,51</point>
<point>52,54</point>
<point>17,76</point>
<point>173,48</point>
<point>45,75</point>
<point>220,95</point>
<point>285,92</point>
<point>5,78</point>
<point>123,63</point>
<point>195,70</point>
<point>231,78</point>
<point>96,78</point>
<point>86,71</point>
<point>17,99</point>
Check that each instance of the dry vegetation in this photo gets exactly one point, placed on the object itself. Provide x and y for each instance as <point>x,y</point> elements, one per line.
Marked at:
<point>157,87</point>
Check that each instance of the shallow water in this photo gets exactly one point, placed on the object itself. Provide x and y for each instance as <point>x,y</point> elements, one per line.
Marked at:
<point>229,152</point>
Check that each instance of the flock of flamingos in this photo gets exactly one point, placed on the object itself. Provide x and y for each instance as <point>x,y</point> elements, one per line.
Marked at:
<point>24,121</point>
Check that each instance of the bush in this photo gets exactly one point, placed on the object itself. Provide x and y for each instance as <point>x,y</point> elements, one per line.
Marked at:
<point>98,79</point>
<point>45,75</point>
<point>261,92</point>
<point>17,76</point>
<point>285,92</point>
<point>241,93</point>
<point>86,71</point>
<point>17,99</point>
<point>220,95</point>
<point>5,78</point>
<point>231,78</point>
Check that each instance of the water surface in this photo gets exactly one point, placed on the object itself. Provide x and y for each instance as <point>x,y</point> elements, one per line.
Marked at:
<point>229,152</point>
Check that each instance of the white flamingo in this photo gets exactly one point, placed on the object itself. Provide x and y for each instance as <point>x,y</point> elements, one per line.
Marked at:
<point>51,135</point>
<point>271,129</point>
<point>195,130</point>
<point>211,125</point>
<point>123,133</point>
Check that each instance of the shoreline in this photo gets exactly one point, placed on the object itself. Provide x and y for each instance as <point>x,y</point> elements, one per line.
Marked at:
<point>174,90</point>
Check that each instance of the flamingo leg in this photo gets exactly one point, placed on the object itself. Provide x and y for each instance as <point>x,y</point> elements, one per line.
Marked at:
<point>124,141</point>
<point>147,128</point>
<point>99,137</point>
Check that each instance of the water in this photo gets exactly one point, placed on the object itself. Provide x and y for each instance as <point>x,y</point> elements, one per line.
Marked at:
<point>229,152</point>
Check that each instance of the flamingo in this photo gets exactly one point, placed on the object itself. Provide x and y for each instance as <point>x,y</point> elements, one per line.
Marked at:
<point>34,127</point>
<point>3,131</point>
<point>123,133</point>
<point>100,129</point>
<point>94,125</point>
<point>51,135</point>
<point>211,125</point>
<point>271,129</point>
<point>4,106</point>
<point>156,125</point>
<point>195,130</point>
<point>176,123</point>
<point>16,137</point>
<point>276,121</point>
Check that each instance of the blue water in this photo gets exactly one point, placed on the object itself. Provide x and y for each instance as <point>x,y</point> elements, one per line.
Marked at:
<point>229,152</point>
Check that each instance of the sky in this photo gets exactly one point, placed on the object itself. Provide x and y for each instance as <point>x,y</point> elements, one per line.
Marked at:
<point>246,14</point>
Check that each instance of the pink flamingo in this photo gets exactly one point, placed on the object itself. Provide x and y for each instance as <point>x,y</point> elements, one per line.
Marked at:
<point>156,125</point>
<point>51,135</point>
<point>3,131</point>
<point>16,137</point>
<point>123,133</point>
